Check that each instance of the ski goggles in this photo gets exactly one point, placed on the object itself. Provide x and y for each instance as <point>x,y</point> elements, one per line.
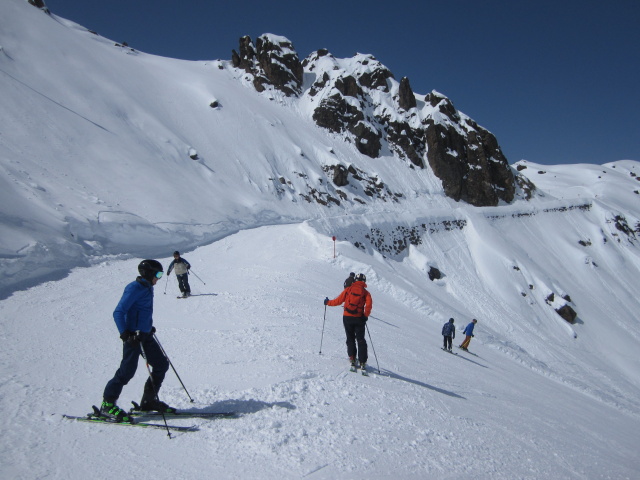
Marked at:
<point>158,275</point>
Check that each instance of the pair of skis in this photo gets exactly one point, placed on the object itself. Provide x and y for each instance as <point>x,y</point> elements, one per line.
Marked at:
<point>463,349</point>
<point>97,417</point>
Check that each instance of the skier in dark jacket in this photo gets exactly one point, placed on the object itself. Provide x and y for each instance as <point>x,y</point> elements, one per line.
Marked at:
<point>468,331</point>
<point>357,308</point>
<point>182,273</point>
<point>134,318</point>
<point>350,279</point>
<point>449,333</point>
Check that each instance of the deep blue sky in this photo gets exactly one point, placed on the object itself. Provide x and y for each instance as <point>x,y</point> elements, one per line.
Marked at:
<point>556,81</point>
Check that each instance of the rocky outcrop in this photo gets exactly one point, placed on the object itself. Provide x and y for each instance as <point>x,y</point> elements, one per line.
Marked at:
<point>272,62</point>
<point>39,4</point>
<point>567,313</point>
<point>406,98</point>
<point>467,158</point>
<point>359,98</point>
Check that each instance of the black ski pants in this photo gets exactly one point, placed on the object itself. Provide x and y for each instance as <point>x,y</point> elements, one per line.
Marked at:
<point>183,283</point>
<point>129,364</point>
<point>447,342</point>
<point>355,328</point>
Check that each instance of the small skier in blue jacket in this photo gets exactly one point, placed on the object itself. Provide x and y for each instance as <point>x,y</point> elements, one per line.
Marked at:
<point>134,318</point>
<point>449,333</point>
<point>468,331</point>
<point>182,273</point>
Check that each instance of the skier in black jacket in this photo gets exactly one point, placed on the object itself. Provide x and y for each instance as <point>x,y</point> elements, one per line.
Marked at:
<point>449,333</point>
<point>350,279</point>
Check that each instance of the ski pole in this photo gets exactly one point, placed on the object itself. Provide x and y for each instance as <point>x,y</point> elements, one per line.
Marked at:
<point>197,276</point>
<point>153,385</point>
<point>373,348</point>
<point>322,337</point>
<point>165,285</point>
<point>172,367</point>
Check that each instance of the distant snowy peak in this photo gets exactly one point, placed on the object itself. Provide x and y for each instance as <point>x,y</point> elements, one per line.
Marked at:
<point>360,98</point>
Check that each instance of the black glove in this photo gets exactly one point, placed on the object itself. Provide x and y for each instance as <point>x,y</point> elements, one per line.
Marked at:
<point>365,318</point>
<point>153,330</point>
<point>326,300</point>
<point>130,337</point>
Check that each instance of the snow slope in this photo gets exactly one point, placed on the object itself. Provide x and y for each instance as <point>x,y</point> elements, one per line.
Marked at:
<point>527,406</point>
<point>96,174</point>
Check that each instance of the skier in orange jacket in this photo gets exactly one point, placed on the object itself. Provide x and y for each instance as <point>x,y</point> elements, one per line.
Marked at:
<point>357,308</point>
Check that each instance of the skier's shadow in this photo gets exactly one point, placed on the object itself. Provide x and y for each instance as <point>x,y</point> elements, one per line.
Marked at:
<point>242,406</point>
<point>472,361</point>
<point>420,384</point>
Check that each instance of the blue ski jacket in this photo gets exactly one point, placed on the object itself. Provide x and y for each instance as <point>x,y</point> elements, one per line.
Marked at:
<point>469,330</point>
<point>135,309</point>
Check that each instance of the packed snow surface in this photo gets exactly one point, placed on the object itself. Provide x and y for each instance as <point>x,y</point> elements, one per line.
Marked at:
<point>96,147</point>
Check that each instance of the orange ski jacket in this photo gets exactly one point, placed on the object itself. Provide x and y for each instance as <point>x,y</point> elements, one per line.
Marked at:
<point>353,306</point>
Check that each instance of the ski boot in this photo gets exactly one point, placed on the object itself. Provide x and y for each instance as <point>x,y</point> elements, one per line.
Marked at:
<point>155,405</point>
<point>151,402</point>
<point>352,360</point>
<point>114,413</point>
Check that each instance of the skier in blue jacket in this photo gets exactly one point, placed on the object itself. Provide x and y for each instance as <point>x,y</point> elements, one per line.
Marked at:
<point>134,318</point>
<point>468,331</point>
<point>449,333</point>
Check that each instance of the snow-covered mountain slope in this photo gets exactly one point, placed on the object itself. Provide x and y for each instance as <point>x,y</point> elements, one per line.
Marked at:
<point>97,144</point>
<point>96,147</point>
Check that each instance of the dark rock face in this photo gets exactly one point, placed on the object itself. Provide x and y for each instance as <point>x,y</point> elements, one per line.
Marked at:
<point>341,176</point>
<point>347,103</point>
<point>468,160</point>
<point>39,4</point>
<point>337,115</point>
<point>246,58</point>
<point>273,62</point>
<point>434,274</point>
<point>406,98</point>
<point>567,313</point>
<point>359,98</point>
<point>407,141</point>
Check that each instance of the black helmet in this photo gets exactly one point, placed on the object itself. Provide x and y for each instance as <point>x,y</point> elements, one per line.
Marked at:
<point>176,253</point>
<point>149,269</point>
<point>361,277</point>
<point>451,320</point>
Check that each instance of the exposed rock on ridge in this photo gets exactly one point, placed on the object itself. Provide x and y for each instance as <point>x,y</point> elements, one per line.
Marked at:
<point>273,61</point>
<point>39,4</point>
<point>360,98</point>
